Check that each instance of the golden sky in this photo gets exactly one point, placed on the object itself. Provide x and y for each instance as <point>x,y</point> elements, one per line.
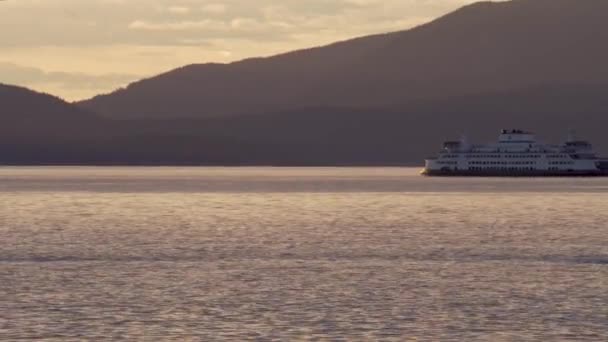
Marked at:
<point>78,48</point>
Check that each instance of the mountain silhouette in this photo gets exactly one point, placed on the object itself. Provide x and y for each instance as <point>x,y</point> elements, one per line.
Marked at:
<point>342,136</point>
<point>28,114</point>
<point>36,127</point>
<point>387,99</point>
<point>481,48</point>
<point>51,131</point>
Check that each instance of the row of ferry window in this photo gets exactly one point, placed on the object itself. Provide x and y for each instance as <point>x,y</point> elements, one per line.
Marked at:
<point>502,163</point>
<point>517,156</point>
<point>523,156</point>
<point>447,162</point>
<point>561,163</point>
<point>477,168</point>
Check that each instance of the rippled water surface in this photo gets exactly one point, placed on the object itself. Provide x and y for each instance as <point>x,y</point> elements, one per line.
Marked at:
<point>301,253</point>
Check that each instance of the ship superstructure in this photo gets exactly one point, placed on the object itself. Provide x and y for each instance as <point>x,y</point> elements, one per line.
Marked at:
<point>517,153</point>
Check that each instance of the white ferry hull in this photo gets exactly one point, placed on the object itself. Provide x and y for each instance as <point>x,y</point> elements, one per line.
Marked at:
<point>503,173</point>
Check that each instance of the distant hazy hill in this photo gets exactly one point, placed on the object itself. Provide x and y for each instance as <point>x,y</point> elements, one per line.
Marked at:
<point>26,113</point>
<point>482,48</point>
<point>538,65</point>
<point>338,136</point>
<point>37,127</point>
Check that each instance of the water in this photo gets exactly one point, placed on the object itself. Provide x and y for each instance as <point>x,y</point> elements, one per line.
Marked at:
<point>300,254</point>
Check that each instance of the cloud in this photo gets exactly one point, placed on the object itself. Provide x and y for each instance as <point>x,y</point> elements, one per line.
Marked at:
<point>36,78</point>
<point>178,9</point>
<point>155,22</point>
<point>214,8</point>
<point>97,45</point>
<point>13,73</point>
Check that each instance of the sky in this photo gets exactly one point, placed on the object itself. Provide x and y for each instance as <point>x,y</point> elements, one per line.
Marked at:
<point>76,49</point>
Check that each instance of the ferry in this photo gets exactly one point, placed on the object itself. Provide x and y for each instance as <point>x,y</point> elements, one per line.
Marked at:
<point>517,154</point>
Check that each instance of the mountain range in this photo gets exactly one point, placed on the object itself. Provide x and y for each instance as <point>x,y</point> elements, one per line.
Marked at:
<point>383,99</point>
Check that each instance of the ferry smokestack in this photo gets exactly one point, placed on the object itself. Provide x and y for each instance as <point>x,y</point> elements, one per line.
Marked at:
<point>571,135</point>
<point>464,143</point>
